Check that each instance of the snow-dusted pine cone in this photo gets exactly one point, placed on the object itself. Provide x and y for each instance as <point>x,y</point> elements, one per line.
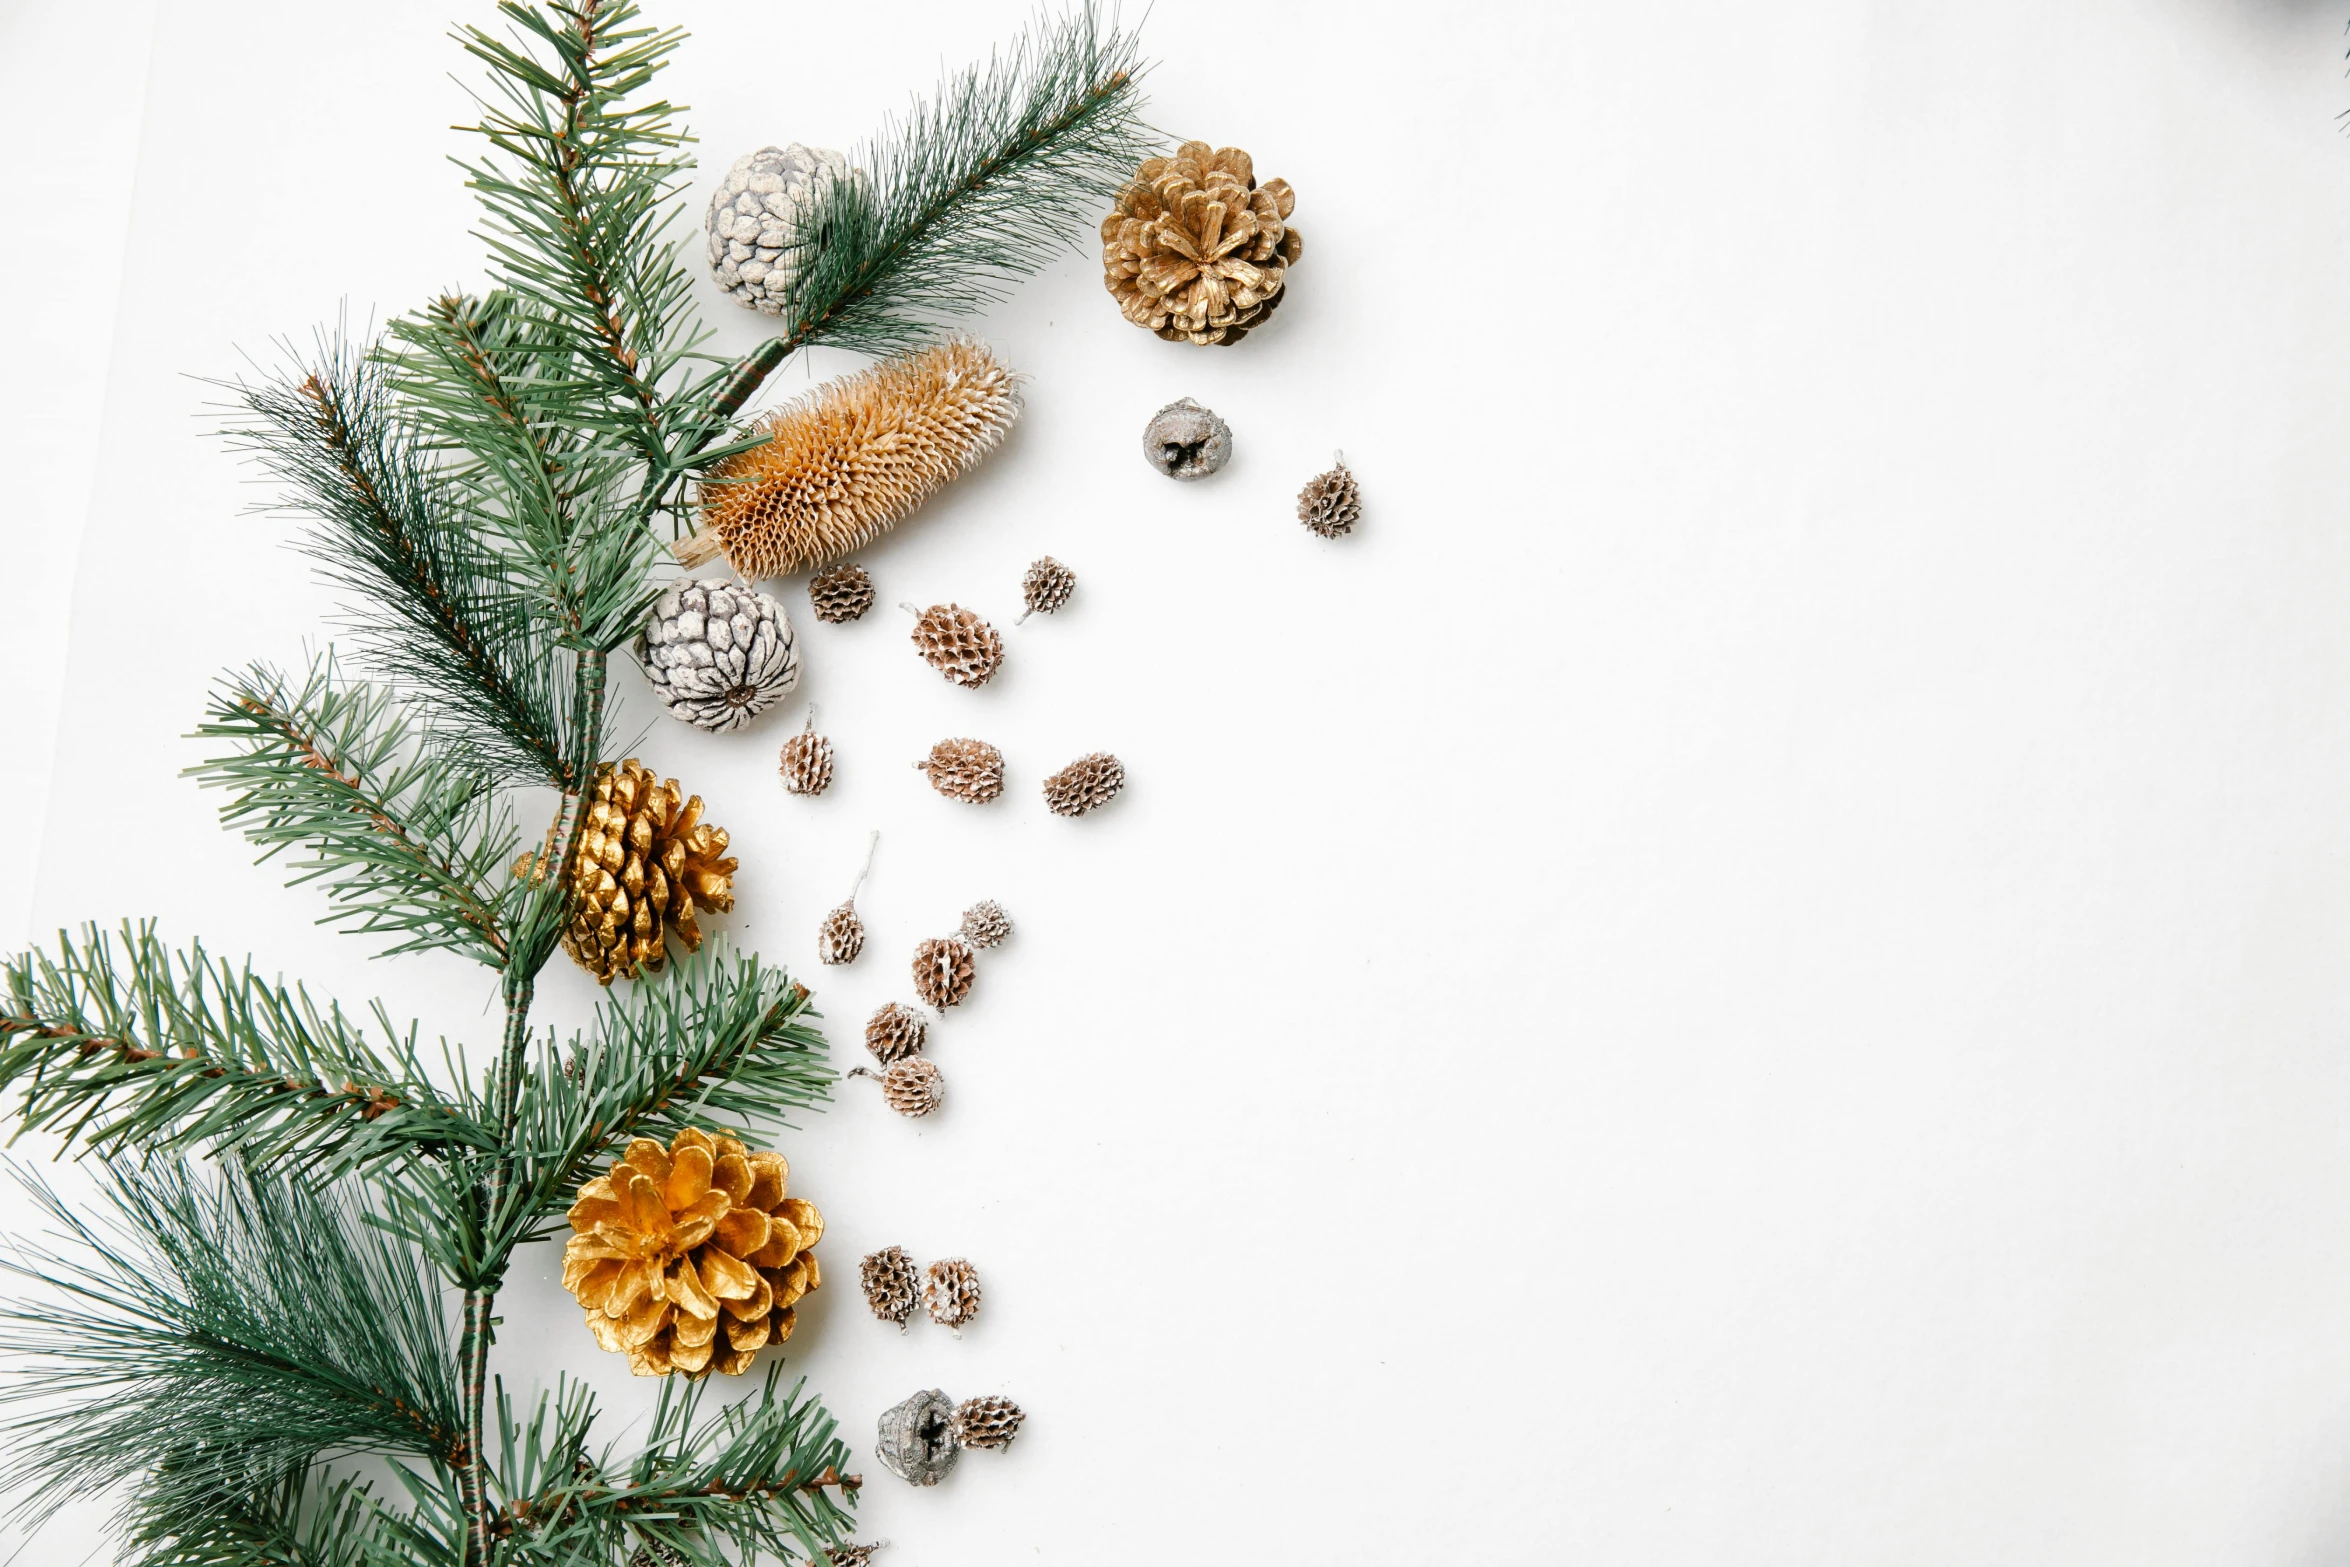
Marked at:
<point>991,1421</point>
<point>718,653</point>
<point>958,644</point>
<point>950,1292</point>
<point>895,1032</point>
<point>806,761</point>
<point>913,1086</point>
<point>842,594</point>
<point>1085,784</point>
<point>968,770</point>
<point>1046,587</point>
<point>943,971</point>
<point>841,937</point>
<point>852,1555</point>
<point>891,1287</point>
<point>757,223</point>
<point>986,924</point>
<point>1331,503</point>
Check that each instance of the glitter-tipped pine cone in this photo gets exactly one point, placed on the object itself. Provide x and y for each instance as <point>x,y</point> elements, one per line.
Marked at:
<point>691,1258</point>
<point>646,861</point>
<point>844,464</point>
<point>1195,249</point>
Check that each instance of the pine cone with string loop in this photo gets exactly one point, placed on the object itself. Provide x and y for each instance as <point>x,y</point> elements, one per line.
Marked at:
<point>841,595</point>
<point>914,1086</point>
<point>968,770</point>
<point>691,1258</point>
<point>841,937</point>
<point>958,644</point>
<point>895,1032</point>
<point>1195,250</point>
<point>645,862</point>
<point>1331,503</point>
<point>1084,785</point>
<point>943,971</point>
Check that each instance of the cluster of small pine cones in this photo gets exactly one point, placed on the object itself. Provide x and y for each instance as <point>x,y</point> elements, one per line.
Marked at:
<point>947,1290</point>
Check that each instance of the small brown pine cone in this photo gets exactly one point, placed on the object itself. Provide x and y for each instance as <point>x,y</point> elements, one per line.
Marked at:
<point>987,1422</point>
<point>852,1555</point>
<point>986,924</point>
<point>895,1032</point>
<point>890,1285</point>
<point>842,594</point>
<point>950,1292</point>
<point>1331,504</point>
<point>968,770</point>
<point>913,1086</point>
<point>841,937</point>
<point>1046,587</point>
<point>943,971</point>
<point>958,644</point>
<point>1085,784</point>
<point>806,761</point>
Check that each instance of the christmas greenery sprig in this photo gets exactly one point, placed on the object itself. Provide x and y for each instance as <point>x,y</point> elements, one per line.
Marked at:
<point>482,484</point>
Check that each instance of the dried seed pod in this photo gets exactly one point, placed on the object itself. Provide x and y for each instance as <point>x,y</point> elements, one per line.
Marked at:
<point>986,924</point>
<point>842,935</point>
<point>958,644</point>
<point>1331,503</point>
<point>1185,441</point>
<point>913,1086</point>
<point>943,971</point>
<point>1085,784</point>
<point>895,1032</point>
<point>842,594</point>
<point>991,1421</point>
<point>1046,588</point>
<point>918,1438</point>
<point>968,770</point>
<point>806,761</point>
<point>950,1292</point>
<point>890,1284</point>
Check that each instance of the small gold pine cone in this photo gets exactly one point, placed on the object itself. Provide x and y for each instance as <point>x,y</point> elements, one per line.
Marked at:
<point>691,1258</point>
<point>968,770</point>
<point>1195,250</point>
<point>890,1285</point>
<point>958,644</point>
<point>895,1032</point>
<point>943,971</point>
<point>991,1421</point>
<point>806,761</point>
<point>645,862</point>
<point>950,1292</point>
<point>1085,784</point>
<point>841,937</point>
<point>914,1086</point>
<point>1331,503</point>
<point>842,594</point>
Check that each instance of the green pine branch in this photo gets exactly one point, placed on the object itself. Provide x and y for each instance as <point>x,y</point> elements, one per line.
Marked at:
<point>301,1518</point>
<point>123,1043</point>
<point>407,840</point>
<point>214,1333</point>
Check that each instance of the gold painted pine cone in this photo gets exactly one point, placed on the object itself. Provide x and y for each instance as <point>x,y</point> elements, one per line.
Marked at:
<point>841,595</point>
<point>1195,250</point>
<point>958,644</point>
<point>914,1086</point>
<point>690,1258</point>
<point>645,862</point>
<point>968,770</point>
<point>943,971</point>
<point>1086,784</point>
<point>890,1284</point>
<point>950,1292</point>
<point>989,1421</point>
<point>895,1032</point>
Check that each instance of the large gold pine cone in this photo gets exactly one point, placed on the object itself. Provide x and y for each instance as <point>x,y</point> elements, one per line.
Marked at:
<point>1195,249</point>
<point>691,1258</point>
<point>644,863</point>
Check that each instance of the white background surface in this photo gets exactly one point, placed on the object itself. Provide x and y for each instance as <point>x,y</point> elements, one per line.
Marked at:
<point>1753,972</point>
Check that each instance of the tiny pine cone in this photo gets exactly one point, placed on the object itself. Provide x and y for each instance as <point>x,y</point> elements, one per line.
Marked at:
<point>841,595</point>
<point>895,1032</point>
<point>950,1292</point>
<point>991,1421</point>
<point>1331,503</point>
<point>1086,784</point>
<point>889,1283</point>
<point>968,770</point>
<point>943,971</point>
<point>958,644</point>
<point>806,763</point>
<point>841,937</point>
<point>913,1086</point>
<point>1047,586</point>
<point>986,924</point>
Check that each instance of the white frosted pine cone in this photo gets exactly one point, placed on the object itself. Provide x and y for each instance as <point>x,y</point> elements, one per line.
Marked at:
<point>757,223</point>
<point>718,653</point>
